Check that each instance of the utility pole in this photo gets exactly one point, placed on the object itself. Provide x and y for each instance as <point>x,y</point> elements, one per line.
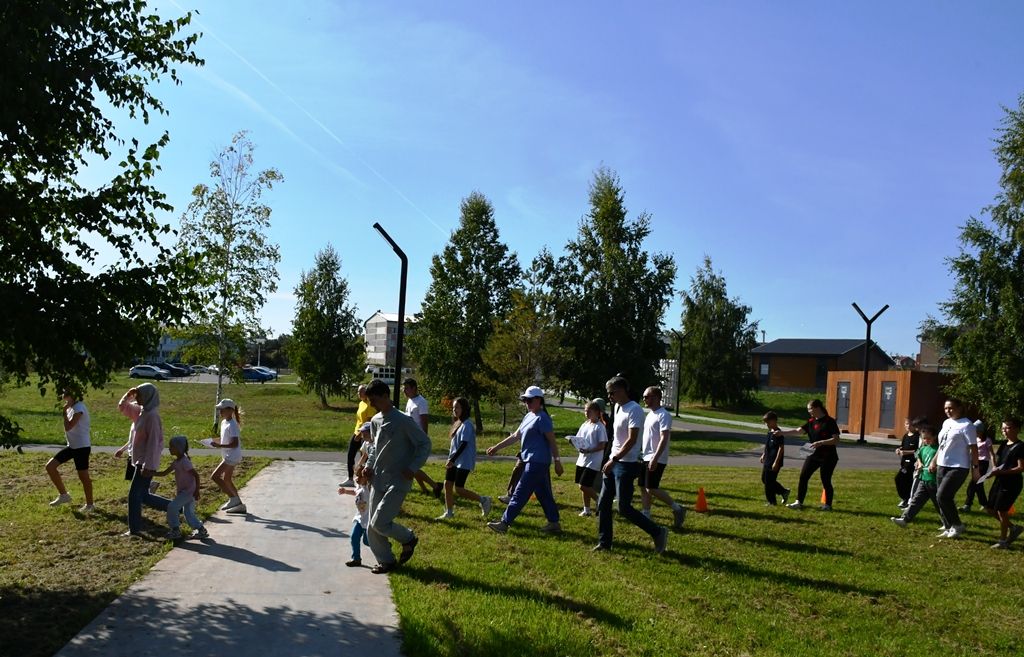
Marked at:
<point>867,356</point>
<point>401,308</point>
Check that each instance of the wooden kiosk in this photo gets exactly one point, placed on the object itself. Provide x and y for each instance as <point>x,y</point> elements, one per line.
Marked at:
<point>893,395</point>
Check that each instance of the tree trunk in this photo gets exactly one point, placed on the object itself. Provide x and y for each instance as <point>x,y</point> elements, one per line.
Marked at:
<point>504,415</point>
<point>476,416</point>
<point>323,398</point>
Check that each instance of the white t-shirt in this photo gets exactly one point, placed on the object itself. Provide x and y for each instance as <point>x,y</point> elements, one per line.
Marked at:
<point>229,429</point>
<point>362,499</point>
<point>593,434</point>
<point>657,421</point>
<point>955,440</point>
<point>78,435</point>
<point>628,416</point>
<point>415,407</point>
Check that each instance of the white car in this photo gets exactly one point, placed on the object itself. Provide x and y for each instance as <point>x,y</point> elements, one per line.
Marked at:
<point>148,372</point>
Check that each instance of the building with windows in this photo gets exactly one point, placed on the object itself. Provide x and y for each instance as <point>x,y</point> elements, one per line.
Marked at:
<point>380,333</point>
<point>803,364</point>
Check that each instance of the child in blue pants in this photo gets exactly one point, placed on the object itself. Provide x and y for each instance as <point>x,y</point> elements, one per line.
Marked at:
<point>360,521</point>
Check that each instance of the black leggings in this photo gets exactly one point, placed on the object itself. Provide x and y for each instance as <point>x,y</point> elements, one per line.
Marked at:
<point>978,489</point>
<point>905,481</point>
<point>353,449</point>
<point>827,468</point>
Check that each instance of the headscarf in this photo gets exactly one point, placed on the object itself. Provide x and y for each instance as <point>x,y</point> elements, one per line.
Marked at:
<point>147,396</point>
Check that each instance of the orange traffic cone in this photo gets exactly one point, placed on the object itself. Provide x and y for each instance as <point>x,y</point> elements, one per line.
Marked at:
<point>702,502</point>
<point>824,497</point>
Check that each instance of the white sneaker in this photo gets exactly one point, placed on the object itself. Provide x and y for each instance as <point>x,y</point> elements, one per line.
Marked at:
<point>86,509</point>
<point>1000,545</point>
<point>63,498</point>
<point>795,505</point>
<point>585,513</point>
<point>237,509</point>
<point>446,515</point>
<point>954,533</point>
<point>485,505</point>
<point>232,501</point>
<point>348,483</point>
<point>899,522</point>
<point>943,531</point>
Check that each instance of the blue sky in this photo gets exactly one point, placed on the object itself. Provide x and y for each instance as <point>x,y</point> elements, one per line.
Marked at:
<point>821,153</point>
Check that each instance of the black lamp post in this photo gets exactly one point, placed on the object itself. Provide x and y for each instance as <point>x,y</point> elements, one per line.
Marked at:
<point>401,307</point>
<point>867,355</point>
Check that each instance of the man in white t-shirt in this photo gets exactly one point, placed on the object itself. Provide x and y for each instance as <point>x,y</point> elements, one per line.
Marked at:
<point>419,410</point>
<point>656,437</point>
<point>623,468</point>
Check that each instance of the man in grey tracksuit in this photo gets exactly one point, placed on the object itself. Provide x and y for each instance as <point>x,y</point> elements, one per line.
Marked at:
<point>400,448</point>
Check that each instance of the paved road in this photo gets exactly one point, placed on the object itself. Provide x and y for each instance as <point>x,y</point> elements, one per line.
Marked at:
<point>272,582</point>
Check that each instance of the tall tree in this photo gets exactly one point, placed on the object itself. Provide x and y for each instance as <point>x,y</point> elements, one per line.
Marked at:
<point>224,232</point>
<point>608,294</point>
<point>69,317</point>
<point>326,349</point>
<point>471,285</point>
<point>984,330</point>
<point>717,339</point>
<point>523,350</point>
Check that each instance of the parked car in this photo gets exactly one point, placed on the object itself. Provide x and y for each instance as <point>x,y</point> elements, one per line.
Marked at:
<point>253,374</point>
<point>148,372</point>
<point>200,369</point>
<point>188,369</point>
<point>212,369</point>
<point>266,370</point>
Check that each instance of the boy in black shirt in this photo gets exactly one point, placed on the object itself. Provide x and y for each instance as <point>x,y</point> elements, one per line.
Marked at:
<point>906,451</point>
<point>774,450</point>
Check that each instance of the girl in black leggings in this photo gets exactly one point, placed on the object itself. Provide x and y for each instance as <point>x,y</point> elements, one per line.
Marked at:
<point>823,436</point>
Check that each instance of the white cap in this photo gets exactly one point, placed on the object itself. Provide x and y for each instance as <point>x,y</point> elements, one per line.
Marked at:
<point>531,392</point>
<point>366,427</point>
<point>226,403</point>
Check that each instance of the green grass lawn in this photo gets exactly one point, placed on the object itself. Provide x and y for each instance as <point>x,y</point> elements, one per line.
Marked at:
<point>791,408</point>
<point>59,568</point>
<point>279,417</point>
<point>744,579</point>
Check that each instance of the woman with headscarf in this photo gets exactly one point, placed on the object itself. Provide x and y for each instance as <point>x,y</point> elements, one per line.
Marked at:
<point>144,446</point>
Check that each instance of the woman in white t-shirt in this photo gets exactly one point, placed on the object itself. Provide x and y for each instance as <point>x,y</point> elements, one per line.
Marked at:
<point>592,440</point>
<point>76,432</point>
<point>956,461</point>
<point>231,442</point>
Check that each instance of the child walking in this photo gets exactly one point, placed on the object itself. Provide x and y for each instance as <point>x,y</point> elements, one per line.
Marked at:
<point>461,461</point>
<point>361,520</point>
<point>76,433</point>
<point>1008,483</point>
<point>925,486</point>
<point>772,457</point>
<point>593,438</point>
<point>231,443</point>
<point>186,482</point>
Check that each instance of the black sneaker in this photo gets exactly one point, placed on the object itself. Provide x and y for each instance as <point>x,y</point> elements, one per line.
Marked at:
<point>408,549</point>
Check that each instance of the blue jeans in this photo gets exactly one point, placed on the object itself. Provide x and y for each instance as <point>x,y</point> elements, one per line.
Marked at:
<point>536,480</point>
<point>138,494</point>
<point>358,533</point>
<point>183,502</point>
<point>620,481</point>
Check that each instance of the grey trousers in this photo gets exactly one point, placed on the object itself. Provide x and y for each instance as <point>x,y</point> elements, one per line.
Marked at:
<point>386,496</point>
<point>949,481</point>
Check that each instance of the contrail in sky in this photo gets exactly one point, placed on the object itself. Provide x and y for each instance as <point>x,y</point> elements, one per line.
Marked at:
<point>315,120</point>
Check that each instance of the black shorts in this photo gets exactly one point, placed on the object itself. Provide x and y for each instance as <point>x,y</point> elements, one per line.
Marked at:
<point>80,454</point>
<point>651,480</point>
<point>1001,498</point>
<point>457,475</point>
<point>585,476</point>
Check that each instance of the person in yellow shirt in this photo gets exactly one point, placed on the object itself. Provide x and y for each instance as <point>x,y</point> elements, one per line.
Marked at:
<point>363,415</point>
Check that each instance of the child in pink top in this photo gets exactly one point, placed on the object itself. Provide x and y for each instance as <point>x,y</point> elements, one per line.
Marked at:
<point>187,484</point>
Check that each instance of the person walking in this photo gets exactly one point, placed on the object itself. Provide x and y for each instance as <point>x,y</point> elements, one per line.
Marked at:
<point>772,458</point>
<point>79,446</point>
<point>538,449</point>
<point>418,409</point>
<point>364,412</point>
<point>1008,483</point>
<point>656,437</point>
<point>985,454</point>
<point>823,436</point>
<point>461,461</point>
<point>145,444</point>
<point>400,448</point>
<point>957,461</point>
<point>907,452</point>
<point>620,473</point>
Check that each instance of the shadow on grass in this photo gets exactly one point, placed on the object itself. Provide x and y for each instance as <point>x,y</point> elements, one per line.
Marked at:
<point>785,579</point>
<point>36,623</point>
<point>789,516</point>
<point>432,575</point>
<point>789,546</point>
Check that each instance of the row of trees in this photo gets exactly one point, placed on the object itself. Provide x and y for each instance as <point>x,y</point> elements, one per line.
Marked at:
<point>487,329</point>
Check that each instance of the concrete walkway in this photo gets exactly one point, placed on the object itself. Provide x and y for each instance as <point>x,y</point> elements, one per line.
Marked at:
<point>272,582</point>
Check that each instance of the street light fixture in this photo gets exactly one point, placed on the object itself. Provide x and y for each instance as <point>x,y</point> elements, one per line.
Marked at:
<point>401,306</point>
<point>259,345</point>
<point>867,355</point>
